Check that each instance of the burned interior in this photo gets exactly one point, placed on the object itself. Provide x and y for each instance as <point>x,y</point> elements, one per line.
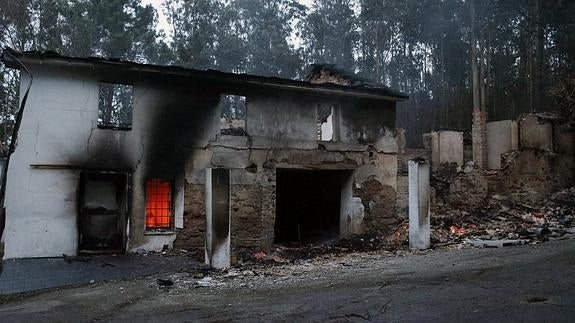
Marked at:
<point>308,206</point>
<point>103,200</point>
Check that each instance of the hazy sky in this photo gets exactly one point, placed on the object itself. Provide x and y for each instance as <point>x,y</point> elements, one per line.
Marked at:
<point>163,22</point>
<point>165,26</point>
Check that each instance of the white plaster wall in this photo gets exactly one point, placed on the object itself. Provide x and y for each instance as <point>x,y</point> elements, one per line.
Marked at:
<point>41,204</point>
<point>35,225</point>
<point>59,127</point>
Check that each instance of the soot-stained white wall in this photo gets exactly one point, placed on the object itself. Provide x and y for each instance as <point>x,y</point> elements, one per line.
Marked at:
<point>59,128</point>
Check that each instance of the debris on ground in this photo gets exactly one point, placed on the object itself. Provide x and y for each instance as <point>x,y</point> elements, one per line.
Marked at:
<point>504,222</point>
<point>500,223</point>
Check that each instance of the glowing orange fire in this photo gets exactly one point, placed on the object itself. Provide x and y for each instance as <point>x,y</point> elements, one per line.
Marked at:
<point>158,204</point>
<point>456,230</point>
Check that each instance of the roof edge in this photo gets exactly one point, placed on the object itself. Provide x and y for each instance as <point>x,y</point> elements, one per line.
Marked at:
<point>10,56</point>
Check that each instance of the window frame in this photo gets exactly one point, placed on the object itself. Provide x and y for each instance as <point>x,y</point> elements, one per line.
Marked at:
<point>335,110</point>
<point>171,227</point>
<point>112,127</point>
<point>245,125</point>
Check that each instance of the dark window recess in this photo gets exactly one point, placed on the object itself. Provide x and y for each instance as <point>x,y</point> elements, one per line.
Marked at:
<point>115,106</point>
<point>233,117</point>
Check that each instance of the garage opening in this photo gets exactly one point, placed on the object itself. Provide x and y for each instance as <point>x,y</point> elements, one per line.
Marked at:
<point>308,204</point>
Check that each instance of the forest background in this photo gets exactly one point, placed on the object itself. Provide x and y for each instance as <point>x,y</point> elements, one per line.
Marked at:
<point>505,57</point>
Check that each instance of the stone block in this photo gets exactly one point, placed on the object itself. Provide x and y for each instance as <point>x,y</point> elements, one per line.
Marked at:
<point>502,137</point>
<point>446,147</point>
<point>536,133</point>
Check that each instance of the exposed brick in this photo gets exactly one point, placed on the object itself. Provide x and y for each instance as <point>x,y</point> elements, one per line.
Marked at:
<point>192,236</point>
<point>252,218</point>
<point>479,137</point>
<point>379,203</point>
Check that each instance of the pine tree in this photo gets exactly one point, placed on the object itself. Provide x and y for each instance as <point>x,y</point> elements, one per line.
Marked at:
<point>330,33</point>
<point>267,27</point>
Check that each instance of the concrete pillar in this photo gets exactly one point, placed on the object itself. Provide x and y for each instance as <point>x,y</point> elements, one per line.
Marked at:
<point>218,217</point>
<point>479,138</point>
<point>419,227</point>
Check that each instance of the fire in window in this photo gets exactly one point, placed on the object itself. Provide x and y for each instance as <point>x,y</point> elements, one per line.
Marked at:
<point>158,204</point>
<point>115,106</point>
<point>326,122</point>
<point>233,117</point>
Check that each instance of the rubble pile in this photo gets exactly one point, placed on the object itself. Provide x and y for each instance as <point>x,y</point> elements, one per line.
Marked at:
<point>254,275</point>
<point>293,253</point>
<point>505,222</point>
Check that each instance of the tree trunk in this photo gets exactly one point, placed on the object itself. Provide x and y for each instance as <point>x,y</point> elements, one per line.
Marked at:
<point>539,55</point>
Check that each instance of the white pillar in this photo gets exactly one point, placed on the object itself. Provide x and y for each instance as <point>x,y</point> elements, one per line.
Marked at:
<point>419,228</point>
<point>217,218</point>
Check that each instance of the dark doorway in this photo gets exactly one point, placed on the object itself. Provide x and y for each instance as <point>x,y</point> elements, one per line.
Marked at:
<point>307,205</point>
<point>103,212</point>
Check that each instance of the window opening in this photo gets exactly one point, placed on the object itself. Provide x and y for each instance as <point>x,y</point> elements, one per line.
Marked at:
<point>158,204</point>
<point>233,116</point>
<point>326,122</point>
<point>115,106</point>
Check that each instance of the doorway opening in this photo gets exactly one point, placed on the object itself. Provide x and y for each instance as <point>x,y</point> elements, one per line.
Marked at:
<point>103,212</point>
<point>308,205</point>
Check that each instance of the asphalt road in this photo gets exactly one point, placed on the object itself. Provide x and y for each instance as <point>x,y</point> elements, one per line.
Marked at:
<point>534,283</point>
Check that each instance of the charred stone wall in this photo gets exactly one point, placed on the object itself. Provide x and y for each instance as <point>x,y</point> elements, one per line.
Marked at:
<point>281,133</point>
<point>192,236</point>
<point>541,164</point>
<point>253,218</point>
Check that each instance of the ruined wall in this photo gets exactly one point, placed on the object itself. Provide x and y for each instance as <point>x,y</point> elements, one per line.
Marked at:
<point>502,137</point>
<point>253,218</point>
<point>192,236</point>
<point>530,175</point>
<point>542,163</point>
<point>446,147</point>
<point>59,131</point>
<point>281,133</point>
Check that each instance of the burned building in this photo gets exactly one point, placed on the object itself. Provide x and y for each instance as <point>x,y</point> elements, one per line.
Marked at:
<point>114,156</point>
